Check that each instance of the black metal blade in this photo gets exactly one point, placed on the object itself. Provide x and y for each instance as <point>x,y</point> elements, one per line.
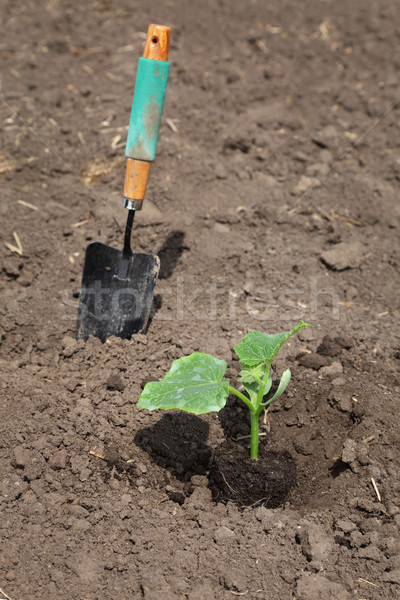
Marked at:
<point>111,304</point>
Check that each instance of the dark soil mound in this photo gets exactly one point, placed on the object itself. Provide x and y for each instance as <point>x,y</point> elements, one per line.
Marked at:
<point>234,476</point>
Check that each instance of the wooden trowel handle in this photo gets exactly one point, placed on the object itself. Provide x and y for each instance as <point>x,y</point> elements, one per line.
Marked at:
<point>147,106</point>
<point>157,42</point>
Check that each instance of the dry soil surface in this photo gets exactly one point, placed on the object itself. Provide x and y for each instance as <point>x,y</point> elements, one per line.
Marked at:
<point>274,197</point>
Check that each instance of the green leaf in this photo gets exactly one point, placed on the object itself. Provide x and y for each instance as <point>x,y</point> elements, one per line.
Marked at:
<point>193,384</point>
<point>257,347</point>
<point>253,388</point>
<point>252,374</point>
<point>284,382</point>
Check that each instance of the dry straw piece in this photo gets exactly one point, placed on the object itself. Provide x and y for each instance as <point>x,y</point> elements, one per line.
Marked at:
<point>18,248</point>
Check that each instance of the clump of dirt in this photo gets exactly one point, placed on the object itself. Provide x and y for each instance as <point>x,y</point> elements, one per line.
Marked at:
<point>235,477</point>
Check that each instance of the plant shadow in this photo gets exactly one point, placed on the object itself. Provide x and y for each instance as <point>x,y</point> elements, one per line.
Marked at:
<point>177,443</point>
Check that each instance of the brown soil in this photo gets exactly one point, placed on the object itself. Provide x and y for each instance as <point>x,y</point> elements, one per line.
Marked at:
<point>273,197</point>
<point>237,478</point>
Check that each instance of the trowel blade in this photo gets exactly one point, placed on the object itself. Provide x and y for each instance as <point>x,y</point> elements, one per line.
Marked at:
<point>110,305</point>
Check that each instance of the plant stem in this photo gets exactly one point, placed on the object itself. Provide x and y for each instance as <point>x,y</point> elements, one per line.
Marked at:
<point>242,397</point>
<point>254,435</point>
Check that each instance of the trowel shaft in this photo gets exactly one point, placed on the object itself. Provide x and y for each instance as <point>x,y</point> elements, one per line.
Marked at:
<point>147,107</point>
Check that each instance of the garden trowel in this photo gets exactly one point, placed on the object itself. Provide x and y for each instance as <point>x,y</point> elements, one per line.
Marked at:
<point>118,285</point>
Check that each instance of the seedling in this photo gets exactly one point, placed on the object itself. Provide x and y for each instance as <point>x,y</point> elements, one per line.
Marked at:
<point>195,383</point>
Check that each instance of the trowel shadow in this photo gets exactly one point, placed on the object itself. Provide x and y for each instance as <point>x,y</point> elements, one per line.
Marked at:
<point>177,443</point>
<point>169,255</point>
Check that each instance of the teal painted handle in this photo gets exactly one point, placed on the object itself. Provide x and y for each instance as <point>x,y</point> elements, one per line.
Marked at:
<point>147,107</point>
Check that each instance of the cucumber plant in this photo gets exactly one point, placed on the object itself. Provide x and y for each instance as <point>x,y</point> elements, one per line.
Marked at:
<point>196,383</point>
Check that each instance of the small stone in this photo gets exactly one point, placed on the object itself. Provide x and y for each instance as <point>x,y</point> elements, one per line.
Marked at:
<point>343,256</point>
<point>58,460</point>
<point>338,381</point>
<point>115,382</point>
